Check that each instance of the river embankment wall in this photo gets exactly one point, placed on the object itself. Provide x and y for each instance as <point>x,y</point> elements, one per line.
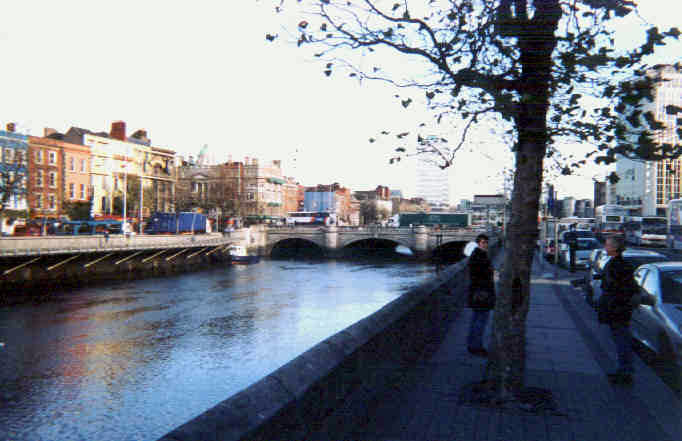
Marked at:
<point>37,266</point>
<point>344,371</point>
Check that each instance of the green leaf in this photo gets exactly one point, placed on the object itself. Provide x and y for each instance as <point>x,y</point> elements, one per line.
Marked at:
<point>395,6</point>
<point>400,149</point>
<point>672,110</point>
<point>673,32</point>
<point>328,72</point>
<point>402,135</point>
<point>270,37</point>
<point>430,95</point>
<point>406,102</point>
<point>371,140</point>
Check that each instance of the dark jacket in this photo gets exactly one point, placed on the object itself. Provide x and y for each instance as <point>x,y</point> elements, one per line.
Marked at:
<point>481,281</point>
<point>618,286</point>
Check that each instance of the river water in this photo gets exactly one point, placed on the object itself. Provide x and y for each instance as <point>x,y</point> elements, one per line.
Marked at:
<point>134,360</point>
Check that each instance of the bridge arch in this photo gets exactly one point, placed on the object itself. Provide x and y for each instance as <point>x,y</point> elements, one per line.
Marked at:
<point>380,244</point>
<point>294,241</point>
<point>344,242</point>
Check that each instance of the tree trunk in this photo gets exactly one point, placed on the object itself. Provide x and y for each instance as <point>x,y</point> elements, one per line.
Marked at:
<point>506,365</point>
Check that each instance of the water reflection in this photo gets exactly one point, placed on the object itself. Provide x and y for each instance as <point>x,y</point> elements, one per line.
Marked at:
<point>134,360</point>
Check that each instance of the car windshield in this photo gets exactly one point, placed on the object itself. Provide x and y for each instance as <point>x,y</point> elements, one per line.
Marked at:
<point>671,287</point>
<point>587,244</point>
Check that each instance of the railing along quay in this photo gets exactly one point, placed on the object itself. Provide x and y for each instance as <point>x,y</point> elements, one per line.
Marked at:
<point>48,245</point>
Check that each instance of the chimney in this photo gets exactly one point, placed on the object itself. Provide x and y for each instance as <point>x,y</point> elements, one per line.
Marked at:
<point>118,130</point>
<point>48,131</point>
<point>11,127</point>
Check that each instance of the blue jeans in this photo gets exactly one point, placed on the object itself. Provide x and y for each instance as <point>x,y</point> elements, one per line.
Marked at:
<point>623,340</point>
<point>479,320</point>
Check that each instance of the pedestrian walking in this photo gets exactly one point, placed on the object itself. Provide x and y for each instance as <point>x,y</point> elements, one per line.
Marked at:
<point>481,294</point>
<point>615,307</point>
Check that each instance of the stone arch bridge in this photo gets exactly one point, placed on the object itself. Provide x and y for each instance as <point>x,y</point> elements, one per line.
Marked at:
<point>421,240</point>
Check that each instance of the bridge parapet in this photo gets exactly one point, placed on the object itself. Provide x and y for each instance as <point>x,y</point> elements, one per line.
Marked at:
<point>28,246</point>
<point>421,240</point>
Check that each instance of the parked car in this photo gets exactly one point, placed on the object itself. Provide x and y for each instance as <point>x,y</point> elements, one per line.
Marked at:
<point>659,326</point>
<point>633,256</point>
<point>584,247</point>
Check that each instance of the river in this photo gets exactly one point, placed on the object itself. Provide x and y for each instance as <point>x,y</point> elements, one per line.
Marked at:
<point>133,360</point>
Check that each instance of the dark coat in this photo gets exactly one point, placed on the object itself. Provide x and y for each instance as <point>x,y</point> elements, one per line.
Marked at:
<point>618,286</point>
<point>481,281</point>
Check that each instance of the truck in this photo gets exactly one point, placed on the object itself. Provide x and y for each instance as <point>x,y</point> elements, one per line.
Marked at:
<point>176,223</point>
<point>445,220</point>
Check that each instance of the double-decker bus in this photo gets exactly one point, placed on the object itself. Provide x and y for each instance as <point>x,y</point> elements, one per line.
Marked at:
<point>645,230</point>
<point>609,219</point>
<point>674,230</point>
<point>311,218</point>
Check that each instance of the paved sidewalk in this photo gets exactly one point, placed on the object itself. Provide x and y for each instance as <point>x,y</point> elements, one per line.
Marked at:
<point>567,353</point>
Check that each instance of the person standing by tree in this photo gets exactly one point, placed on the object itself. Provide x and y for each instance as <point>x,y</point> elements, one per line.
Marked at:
<point>615,306</point>
<point>481,294</point>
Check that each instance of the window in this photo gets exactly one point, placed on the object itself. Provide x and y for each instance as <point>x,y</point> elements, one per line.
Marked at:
<point>72,164</point>
<point>39,178</point>
<point>83,165</point>
<point>8,155</point>
<point>72,190</point>
<point>52,202</point>
<point>52,158</point>
<point>82,192</point>
<point>39,201</point>
<point>39,156</point>
<point>671,287</point>
<point>20,156</point>
<point>53,179</point>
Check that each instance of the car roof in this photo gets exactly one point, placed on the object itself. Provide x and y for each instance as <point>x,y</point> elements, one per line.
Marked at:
<point>667,266</point>
<point>643,253</point>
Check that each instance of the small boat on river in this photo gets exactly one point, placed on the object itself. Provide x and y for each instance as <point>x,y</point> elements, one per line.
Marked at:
<point>239,255</point>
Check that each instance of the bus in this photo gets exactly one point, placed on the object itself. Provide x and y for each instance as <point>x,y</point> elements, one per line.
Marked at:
<point>609,219</point>
<point>581,223</point>
<point>645,230</point>
<point>311,218</point>
<point>674,231</point>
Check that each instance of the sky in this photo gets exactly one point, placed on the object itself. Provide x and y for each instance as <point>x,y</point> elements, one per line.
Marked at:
<point>202,73</point>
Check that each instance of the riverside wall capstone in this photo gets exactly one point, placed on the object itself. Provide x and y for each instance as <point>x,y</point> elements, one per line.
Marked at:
<point>348,367</point>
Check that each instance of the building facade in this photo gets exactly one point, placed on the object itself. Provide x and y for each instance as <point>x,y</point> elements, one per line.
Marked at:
<point>645,187</point>
<point>488,209</point>
<point>14,170</point>
<point>432,183</point>
<point>62,162</point>
<point>129,168</point>
<point>293,195</point>
<point>46,183</point>
<point>263,188</point>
